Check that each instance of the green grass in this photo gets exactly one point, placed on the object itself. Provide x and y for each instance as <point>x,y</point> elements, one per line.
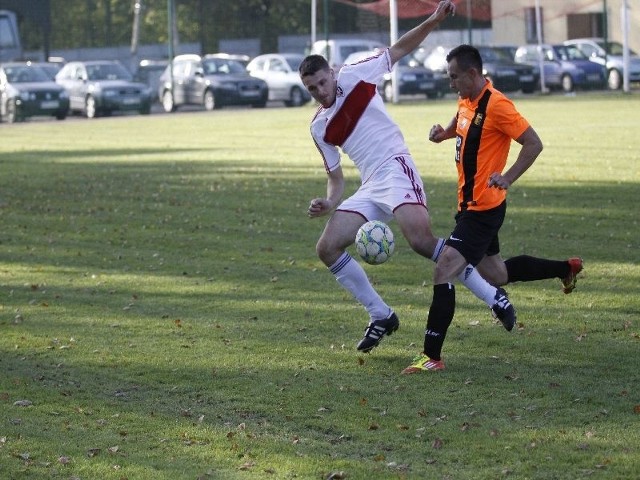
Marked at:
<point>163,310</point>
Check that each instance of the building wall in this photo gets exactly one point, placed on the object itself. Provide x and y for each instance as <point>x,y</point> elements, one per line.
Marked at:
<point>509,19</point>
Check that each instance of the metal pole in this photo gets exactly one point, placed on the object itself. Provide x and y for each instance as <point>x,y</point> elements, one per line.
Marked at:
<point>135,34</point>
<point>543,87</point>
<point>469,27</point>
<point>393,36</point>
<point>314,20</point>
<point>625,46</point>
<point>170,21</point>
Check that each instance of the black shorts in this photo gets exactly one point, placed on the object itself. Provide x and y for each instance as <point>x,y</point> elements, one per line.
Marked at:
<point>476,233</point>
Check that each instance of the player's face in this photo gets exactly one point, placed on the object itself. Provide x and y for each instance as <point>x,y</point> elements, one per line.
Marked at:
<point>464,82</point>
<point>322,87</point>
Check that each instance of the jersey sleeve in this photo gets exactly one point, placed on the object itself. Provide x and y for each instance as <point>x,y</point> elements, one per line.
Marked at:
<point>508,119</point>
<point>370,69</point>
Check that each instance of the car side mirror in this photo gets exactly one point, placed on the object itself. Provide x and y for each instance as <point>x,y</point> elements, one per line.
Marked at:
<point>199,72</point>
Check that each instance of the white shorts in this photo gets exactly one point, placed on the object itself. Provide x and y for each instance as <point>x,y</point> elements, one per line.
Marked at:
<point>394,184</point>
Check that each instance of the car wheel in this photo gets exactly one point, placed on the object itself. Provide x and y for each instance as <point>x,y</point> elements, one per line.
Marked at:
<point>167,102</point>
<point>90,109</point>
<point>209,101</point>
<point>11,112</point>
<point>296,99</point>
<point>614,79</point>
<point>61,115</point>
<point>567,83</point>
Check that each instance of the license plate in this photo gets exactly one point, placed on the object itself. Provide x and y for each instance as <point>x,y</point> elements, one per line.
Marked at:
<point>250,93</point>
<point>526,78</point>
<point>427,85</point>
<point>50,104</point>
<point>130,101</point>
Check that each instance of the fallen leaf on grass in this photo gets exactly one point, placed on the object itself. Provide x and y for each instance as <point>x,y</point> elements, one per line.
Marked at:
<point>337,476</point>
<point>636,409</point>
<point>64,460</point>
<point>437,443</point>
<point>22,403</point>
<point>92,452</point>
<point>247,466</point>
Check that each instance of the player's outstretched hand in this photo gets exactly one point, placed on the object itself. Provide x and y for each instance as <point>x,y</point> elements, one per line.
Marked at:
<point>444,8</point>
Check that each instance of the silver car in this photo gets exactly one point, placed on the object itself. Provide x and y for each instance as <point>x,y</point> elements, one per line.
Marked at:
<point>280,71</point>
<point>609,54</point>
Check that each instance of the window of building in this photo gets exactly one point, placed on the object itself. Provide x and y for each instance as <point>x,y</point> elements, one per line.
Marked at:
<point>531,25</point>
<point>585,25</point>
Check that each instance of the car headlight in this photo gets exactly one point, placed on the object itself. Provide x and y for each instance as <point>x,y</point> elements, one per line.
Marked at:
<point>26,96</point>
<point>63,94</point>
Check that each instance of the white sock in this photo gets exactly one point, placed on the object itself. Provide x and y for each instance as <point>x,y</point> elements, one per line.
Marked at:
<point>438,250</point>
<point>471,279</point>
<point>482,289</point>
<point>353,278</point>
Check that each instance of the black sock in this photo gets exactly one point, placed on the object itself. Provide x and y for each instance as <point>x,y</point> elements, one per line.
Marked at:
<point>440,316</point>
<point>525,268</point>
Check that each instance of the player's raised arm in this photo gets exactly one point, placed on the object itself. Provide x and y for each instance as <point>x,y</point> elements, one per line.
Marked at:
<point>414,37</point>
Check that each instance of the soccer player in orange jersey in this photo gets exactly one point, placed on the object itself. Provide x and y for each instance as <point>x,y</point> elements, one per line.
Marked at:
<point>484,126</point>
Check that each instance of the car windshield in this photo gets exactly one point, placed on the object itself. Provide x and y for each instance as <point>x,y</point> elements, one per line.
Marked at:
<point>615,48</point>
<point>491,55</point>
<point>294,62</point>
<point>569,53</point>
<point>107,71</point>
<point>222,66</point>
<point>24,74</point>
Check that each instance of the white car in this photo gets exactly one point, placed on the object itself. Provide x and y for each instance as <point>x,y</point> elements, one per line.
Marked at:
<point>337,50</point>
<point>609,54</point>
<point>280,71</point>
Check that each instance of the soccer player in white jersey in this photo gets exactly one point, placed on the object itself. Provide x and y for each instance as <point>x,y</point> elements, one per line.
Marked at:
<point>352,118</point>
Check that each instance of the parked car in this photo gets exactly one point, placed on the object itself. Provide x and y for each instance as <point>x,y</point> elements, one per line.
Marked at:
<point>280,71</point>
<point>610,55</point>
<point>149,72</point>
<point>564,67</point>
<point>440,75</point>
<point>337,50</point>
<point>498,67</point>
<point>27,91</point>
<point>505,74</point>
<point>413,78</point>
<point>101,87</point>
<point>50,68</point>
<point>210,81</point>
<point>507,50</point>
<point>238,57</point>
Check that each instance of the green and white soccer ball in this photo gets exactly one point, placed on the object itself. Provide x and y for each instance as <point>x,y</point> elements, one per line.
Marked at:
<point>374,242</point>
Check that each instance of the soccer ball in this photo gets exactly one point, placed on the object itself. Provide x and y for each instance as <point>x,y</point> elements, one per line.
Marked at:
<point>374,242</point>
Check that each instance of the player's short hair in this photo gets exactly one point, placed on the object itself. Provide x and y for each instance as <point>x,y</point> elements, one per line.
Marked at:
<point>467,57</point>
<point>312,64</point>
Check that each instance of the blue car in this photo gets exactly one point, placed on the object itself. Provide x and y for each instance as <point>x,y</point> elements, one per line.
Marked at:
<point>565,67</point>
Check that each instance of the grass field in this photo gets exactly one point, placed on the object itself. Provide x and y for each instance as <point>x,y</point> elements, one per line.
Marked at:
<point>163,314</point>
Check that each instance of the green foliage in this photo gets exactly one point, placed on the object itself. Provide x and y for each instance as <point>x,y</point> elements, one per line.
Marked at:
<point>163,314</point>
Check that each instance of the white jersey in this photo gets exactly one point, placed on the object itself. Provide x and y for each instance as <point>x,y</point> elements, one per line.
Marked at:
<point>358,122</point>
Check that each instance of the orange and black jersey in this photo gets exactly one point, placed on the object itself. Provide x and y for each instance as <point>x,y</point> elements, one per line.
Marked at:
<point>485,127</point>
